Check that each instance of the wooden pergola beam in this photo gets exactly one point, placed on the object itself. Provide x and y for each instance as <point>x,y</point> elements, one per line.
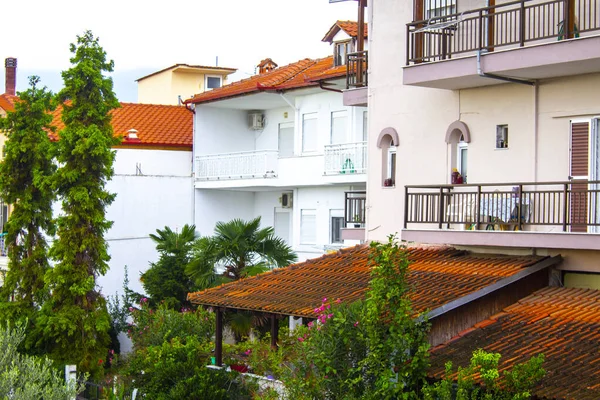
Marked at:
<point>219,337</point>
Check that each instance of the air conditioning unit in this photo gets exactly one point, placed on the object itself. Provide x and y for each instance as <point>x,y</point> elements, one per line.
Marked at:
<point>256,120</point>
<point>286,200</point>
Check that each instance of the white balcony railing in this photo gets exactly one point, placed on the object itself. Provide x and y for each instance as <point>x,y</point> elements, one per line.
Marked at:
<point>240,165</point>
<point>346,158</point>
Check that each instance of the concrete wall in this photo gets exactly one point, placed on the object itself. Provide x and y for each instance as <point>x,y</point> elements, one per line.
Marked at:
<point>221,130</point>
<point>156,89</point>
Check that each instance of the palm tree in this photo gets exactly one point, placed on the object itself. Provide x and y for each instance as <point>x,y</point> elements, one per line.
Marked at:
<point>241,249</point>
<point>166,280</point>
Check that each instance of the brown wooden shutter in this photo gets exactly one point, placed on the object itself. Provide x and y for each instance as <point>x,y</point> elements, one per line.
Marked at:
<point>580,133</point>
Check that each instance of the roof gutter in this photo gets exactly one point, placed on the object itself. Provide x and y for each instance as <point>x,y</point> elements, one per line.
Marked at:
<point>322,86</point>
<point>545,263</point>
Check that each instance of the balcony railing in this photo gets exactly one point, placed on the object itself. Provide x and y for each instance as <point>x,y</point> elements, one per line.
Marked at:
<point>356,69</point>
<point>346,158</point>
<point>512,24</point>
<point>574,206</point>
<point>354,210</point>
<point>240,165</point>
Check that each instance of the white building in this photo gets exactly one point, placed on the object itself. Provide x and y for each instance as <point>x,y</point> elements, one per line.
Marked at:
<point>281,145</point>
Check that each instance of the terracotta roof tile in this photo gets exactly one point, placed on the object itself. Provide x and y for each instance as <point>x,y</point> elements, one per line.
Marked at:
<point>157,125</point>
<point>7,101</point>
<point>292,76</point>
<point>438,275</point>
<point>561,323</point>
<point>350,27</point>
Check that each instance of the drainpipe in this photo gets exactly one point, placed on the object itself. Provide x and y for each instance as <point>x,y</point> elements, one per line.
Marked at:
<point>498,77</point>
<point>535,131</point>
<point>192,108</point>
<point>322,86</point>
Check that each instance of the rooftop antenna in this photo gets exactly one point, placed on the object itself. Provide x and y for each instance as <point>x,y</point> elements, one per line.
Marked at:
<point>217,61</point>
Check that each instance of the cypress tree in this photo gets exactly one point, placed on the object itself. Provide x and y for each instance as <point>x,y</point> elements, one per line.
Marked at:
<point>25,182</point>
<point>75,321</point>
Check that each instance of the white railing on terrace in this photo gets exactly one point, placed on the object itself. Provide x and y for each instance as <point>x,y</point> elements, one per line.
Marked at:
<point>240,165</point>
<point>346,158</point>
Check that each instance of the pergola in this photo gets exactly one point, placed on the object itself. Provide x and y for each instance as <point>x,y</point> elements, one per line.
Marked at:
<point>442,278</point>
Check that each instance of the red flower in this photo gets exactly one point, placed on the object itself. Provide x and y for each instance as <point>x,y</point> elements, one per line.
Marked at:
<point>100,361</point>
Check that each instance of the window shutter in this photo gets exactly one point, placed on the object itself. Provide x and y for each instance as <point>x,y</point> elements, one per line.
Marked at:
<point>580,133</point>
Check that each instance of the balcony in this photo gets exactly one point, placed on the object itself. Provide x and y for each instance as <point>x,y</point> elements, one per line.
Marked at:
<point>357,79</point>
<point>354,215</point>
<point>560,215</point>
<point>346,158</point>
<point>525,40</point>
<point>240,165</point>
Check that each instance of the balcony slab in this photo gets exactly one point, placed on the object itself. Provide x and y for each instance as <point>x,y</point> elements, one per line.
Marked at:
<point>357,97</point>
<point>541,61</point>
<point>353,234</point>
<point>513,239</point>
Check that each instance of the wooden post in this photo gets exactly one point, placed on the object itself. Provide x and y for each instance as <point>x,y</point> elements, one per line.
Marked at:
<point>219,338</point>
<point>491,25</point>
<point>570,33</point>
<point>418,43</point>
<point>274,331</point>
<point>360,44</point>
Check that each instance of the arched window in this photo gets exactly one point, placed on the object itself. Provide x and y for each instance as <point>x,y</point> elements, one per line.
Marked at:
<point>388,141</point>
<point>458,138</point>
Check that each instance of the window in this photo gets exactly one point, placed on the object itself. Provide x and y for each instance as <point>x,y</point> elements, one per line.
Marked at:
<point>341,49</point>
<point>502,136</point>
<point>338,127</point>
<point>337,223</point>
<point>309,132</point>
<point>462,152</point>
<point>391,167</point>
<point>439,8</point>
<point>308,226</point>
<point>365,126</point>
<point>212,82</point>
<point>286,139</point>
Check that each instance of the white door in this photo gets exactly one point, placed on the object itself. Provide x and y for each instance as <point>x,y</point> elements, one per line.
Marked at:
<point>283,224</point>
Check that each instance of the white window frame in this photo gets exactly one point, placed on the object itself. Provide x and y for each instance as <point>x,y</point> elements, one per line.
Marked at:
<point>305,117</point>
<point>461,145</point>
<point>308,213</point>
<point>439,8</point>
<point>206,88</point>
<point>502,133</point>
<point>338,114</point>
<point>391,174</point>
<point>365,125</point>
<point>336,213</point>
<point>349,48</point>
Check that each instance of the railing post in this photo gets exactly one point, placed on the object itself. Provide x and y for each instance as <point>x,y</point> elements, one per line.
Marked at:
<point>441,205</point>
<point>480,37</point>
<point>405,207</point>
<point>565,206</point>
<point>522,25</point>
<point>407,45</point>
<point>478,208</point>
<point>520,208</point>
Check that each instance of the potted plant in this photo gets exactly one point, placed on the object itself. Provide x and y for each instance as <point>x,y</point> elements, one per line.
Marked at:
<point>357,221</point>
<point>388,182</point>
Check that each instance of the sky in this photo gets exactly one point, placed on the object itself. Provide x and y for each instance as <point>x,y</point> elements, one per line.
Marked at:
<point>145,36</point>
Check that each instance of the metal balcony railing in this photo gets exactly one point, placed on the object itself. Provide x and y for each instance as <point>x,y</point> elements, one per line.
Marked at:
<point>572,205</point>
<point>346,158</point>
<point>355,206</point>
<point>356,69</point>
<point>239,165</point>
<point>512,24</point>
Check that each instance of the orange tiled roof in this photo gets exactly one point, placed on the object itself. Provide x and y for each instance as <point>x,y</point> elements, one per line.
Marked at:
<point>561,323</point>
<point>439,275</point>
<point>157,125</point>
<point>7,102</point>
<point>350,27</point>
<point>297,75</point>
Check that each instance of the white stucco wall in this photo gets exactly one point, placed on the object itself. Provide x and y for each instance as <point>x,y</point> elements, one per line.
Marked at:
<point>220,130</point>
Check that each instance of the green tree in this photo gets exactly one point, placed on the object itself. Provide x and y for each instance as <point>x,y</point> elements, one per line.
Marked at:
<point>75,321</point>
<point>25,182</point>
<point>241,248</point>
<point>24,377</point>
<point>166,280</point>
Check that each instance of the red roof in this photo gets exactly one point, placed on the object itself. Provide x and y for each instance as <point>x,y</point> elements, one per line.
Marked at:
<point>303,73</point>
<point>157,125</point>
<point>561,323</point>
<point>7,101</point>
<point>438,275</point>
<point>350,27</point>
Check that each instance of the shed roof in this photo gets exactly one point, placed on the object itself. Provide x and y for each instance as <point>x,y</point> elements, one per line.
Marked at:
<point>561,323</point>
<point>438,276</point>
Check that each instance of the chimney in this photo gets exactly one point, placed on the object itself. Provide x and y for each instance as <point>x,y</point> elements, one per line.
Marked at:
<point>132,136</point>
<point>266,65</point>
<point>10,86</point>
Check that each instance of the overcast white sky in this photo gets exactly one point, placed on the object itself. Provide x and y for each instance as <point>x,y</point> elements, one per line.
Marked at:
<point>144,36</point>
